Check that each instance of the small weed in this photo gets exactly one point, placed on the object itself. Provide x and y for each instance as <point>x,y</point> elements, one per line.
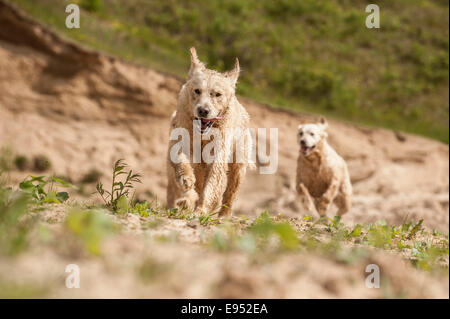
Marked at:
<point>142,209</point>
<point>117,198</point>
<point>264,227</point>
<point>415,229</point>
<point>207,220</point>
<point>259,234</point>
<point>91,227</point>
<point>42,189</point>
<point>13,227</point>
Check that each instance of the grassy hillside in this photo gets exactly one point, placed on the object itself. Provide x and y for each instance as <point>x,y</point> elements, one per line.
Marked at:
<point>314,56</point>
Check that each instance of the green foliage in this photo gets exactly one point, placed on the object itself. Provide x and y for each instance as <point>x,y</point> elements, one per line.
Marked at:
<point>42,189</point>
<point>207,220</point>
<point>117,198</point>
<point>91,5</point>
<point>91,227</point>
<point>380,235</point>
<point>264,227</point>
<point>415,229</point>
<point>263,233</point>
<point>357,231</point>
<point>307,55</point>
<point>13,227</point>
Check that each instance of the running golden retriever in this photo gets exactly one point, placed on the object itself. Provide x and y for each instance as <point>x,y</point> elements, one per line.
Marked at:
<point>207,105</point>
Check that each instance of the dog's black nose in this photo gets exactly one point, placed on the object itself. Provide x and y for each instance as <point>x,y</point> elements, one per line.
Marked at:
<point>203,111</point>
<point>303,143</point>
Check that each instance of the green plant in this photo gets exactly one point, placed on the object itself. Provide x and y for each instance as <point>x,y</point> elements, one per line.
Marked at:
<point>13,227</point>
<point>91,5</point>
<point>207,220</point>
<point>263,227</point>
<point>42,189</point>
<point>117,198</point>
<point>415,229</point>
<point>142,209</point>
<point>91,227</point>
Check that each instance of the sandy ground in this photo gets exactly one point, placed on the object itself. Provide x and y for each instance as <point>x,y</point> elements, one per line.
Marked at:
<point>137,263</point>
<point>84,110</point>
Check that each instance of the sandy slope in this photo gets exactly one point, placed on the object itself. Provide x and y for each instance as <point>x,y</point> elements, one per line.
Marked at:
<point>84,109</point>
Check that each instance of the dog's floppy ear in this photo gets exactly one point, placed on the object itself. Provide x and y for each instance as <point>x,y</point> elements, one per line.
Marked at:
<point>323,123</point>
<point>233,75</point>
<point>196,65</point>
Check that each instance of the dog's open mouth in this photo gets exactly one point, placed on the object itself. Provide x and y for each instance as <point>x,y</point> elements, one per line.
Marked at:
<point>307,149</point>
<point>204,124</point>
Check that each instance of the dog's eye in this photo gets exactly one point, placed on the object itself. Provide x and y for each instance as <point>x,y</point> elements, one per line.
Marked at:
<point>312,134</point>
<point>197,91</point>
<point>218,94</point>
<point>301,133</point>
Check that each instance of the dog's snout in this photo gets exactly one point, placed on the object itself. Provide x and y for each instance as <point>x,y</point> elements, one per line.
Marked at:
<point>203,111</point>
<point>303,143</point>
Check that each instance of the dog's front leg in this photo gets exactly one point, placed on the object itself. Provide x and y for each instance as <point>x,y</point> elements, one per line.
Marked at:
<point>212,191</point>
<point>215,180</point>
<point>184,179</point>
<point>305,198</point>
<point>234,177</point>
<point>324,202</point>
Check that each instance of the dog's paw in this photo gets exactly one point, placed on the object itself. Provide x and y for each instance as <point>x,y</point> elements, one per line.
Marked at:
<point>184,203</point>
<point>188,200</point>
<point>225,212</point>
<point>201,211</point>
<point>187,182</point>
<point>322,207</point>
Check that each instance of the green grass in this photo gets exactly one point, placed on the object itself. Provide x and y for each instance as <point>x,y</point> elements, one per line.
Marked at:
<point>308,55</point>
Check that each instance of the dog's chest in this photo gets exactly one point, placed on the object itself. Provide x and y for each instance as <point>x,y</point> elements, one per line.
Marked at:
<point>316,178</point>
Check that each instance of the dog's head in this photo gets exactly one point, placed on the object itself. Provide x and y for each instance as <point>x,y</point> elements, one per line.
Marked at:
<point>311,135</point>
<point>210,92</point>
